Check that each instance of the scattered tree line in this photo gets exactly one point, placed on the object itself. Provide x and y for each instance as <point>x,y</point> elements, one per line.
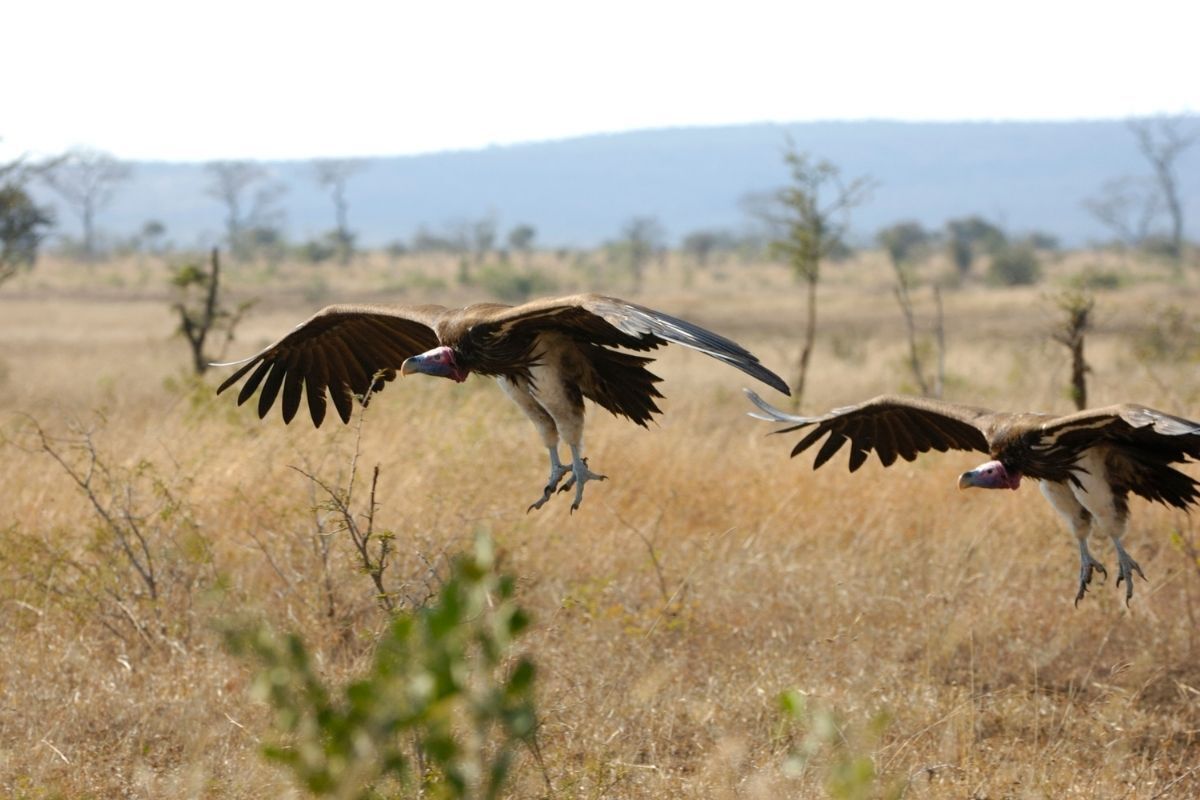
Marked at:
<point>1143,212</point>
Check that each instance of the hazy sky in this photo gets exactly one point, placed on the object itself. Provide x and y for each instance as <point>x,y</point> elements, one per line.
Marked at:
<point>250,79</point>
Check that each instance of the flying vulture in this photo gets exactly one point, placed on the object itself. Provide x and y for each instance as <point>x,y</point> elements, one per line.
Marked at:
<point>1086,464</point>
<point>547,355</point>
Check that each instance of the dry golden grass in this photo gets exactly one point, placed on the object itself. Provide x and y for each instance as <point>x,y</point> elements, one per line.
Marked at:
<point>709,574</point>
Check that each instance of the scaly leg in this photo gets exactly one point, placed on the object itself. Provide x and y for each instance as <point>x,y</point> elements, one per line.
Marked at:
<point>1109,510</point>
<point>580,474</point>
<point>1126,566</point>
<point>1079,520</point>
<point>1086,565</point>
<point>557,470</point>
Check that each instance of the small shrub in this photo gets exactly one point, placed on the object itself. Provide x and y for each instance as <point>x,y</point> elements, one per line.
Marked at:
<point>1015,266</point>
<point>145,560</point>
<point>440,708</point>
<point>822,740</point>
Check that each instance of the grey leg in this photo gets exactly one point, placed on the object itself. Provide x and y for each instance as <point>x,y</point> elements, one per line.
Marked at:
<point>557,470</point>
<point>1126,566</point>
<point>1086,565</point>
<point>580,474</point>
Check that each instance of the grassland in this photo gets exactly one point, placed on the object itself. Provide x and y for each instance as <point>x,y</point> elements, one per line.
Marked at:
<point>708,575</point>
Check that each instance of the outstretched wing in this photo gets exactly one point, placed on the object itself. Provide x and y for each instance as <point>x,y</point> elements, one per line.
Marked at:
<point>1141,444</point>
<point>890,425</point>
<point>609,321</point>
<point>1127,424</point>
<point>340,349</point>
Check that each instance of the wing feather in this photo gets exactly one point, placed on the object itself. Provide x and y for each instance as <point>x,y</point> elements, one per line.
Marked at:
<point>858,455</point>
<point>807,441</point>
<point>252,383</point>
<point>891,426</point>
<point>314,390</point>
<point>271,387</point>
<point>1126,422</point>
<point>339,349</point>
<point>885,445</point>
<point>610,321</point>
<point>342,400</point>
<point>829,449</point>
<point>292,385</point>
<point>906,446</point>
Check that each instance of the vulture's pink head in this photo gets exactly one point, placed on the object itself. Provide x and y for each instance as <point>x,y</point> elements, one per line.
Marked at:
<point>439,361</point>
<point>992,475</point>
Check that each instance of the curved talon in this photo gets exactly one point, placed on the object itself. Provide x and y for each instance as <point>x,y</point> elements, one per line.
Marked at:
<point>1126,566</point>
<point>580,475</point>
<point>1086,567</point>
<point>557,471</point>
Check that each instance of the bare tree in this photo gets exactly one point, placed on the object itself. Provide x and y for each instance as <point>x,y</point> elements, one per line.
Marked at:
<point>1077,310</point>
<point>902,242</point>
<point>1127,207</point>
<point>86,180</point>
<point>1162,140</point>
<point>332,174</point>
<point>813,214</point>
<point>229,183</point>
<point>204,316</point>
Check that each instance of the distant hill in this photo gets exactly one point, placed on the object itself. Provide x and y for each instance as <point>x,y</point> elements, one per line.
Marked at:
<point>578,192</point>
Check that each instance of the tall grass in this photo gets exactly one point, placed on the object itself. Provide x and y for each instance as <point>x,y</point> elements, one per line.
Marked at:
<point>707,577</point>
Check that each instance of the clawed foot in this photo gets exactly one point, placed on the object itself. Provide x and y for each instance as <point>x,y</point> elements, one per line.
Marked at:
<point>1087,565</point>
<point>1126,566</point>
<point>557,471</point>
<point>580,474</point>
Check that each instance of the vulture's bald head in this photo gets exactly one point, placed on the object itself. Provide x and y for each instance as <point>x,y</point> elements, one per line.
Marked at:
<point>439,361</point>
<point>992,475</point>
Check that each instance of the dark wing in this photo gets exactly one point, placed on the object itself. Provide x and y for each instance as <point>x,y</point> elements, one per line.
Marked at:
<point>1127,423</point>
<point>890,425</point>
<point>1141,444</point>
<point>612,322</point>
<point>341,348</point>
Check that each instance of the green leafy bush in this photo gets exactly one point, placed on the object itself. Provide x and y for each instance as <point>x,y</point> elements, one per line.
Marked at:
<point>440,707</point>
<point>822,740</point>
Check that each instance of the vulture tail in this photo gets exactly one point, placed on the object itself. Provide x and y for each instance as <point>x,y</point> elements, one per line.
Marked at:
<point>1169,487</point>
<point>622,384</point>
<point>1150,475</point>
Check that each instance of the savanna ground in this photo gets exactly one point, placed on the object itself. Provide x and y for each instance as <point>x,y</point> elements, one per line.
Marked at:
<point>707,576</point>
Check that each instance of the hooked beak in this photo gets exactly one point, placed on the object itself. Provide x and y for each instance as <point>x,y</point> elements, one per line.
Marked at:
<point>992,475</point>
<point>411,365</point>
<point>438,362</point>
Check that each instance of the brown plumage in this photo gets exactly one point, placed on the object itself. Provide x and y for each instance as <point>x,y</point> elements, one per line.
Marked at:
<point>1086,463</point>
<point>548,355</point>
